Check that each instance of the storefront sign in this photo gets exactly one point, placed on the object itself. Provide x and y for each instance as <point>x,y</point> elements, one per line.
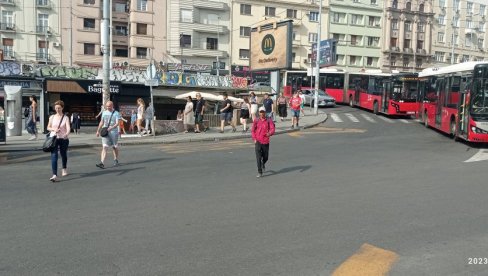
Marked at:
<point>23,84</point>
<point>271,46</point>
<point>98,88</point>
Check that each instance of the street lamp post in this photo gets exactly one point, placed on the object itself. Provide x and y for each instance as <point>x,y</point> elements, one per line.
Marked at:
<point>105,47</point>
<point>317,61</point>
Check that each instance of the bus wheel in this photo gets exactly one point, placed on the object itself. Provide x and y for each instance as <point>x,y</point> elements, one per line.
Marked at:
<point>453,130</point>
<point>426,119</point>
<point>375,108</point>
<point>351,104</point>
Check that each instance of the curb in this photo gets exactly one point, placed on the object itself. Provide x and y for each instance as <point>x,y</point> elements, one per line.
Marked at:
<point>155,140</point>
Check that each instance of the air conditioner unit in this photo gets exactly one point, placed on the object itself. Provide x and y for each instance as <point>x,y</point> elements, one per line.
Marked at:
<point>56,44</point>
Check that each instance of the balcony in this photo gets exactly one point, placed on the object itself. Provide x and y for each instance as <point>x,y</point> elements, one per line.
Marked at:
<point>210,5</point>
<point>41,56</point>
<point>198,52</point>
<point>204,28</point>
<point>44,4</point>
<point>7,2</point>
<point>422,52</point>
<point>408,51</point>
<point>7,27</point>
<point>42,30</point>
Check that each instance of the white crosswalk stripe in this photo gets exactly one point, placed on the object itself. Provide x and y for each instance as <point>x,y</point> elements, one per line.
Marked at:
<point>388,120</point>
<point>336,118</point>
<point>369,119</point>
<point>352,118</point>
<point>404,121</point>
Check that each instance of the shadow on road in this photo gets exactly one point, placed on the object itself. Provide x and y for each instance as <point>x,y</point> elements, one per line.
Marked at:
<point>287,170</point>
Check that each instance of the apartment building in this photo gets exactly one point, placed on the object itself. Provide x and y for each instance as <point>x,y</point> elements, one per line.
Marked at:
<point>356,25</point>
<point>247,14</point>
<point>138,32</point>
<point>30,31</point>
<point>199,34</point>
<point>407,35</point>
<point>460,27</point>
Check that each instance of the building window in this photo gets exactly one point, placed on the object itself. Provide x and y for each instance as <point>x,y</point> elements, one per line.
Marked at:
<point>185,41</point>
<point>312,37</point>
<point>119,7</point>
<point>356,19</point>
<point>187,16</point>
<point>394,24</point>
<point>373,2</point>
<point>408,26</point>
<point>421,27</point>
<point>221,65</point>
<point>121,30</point>
<point>294,36</point>
<point>244,53</point>
<point>245,31</point>
<point>408,6</point>
<point>467,40</point>
<point>353,60</point>
<point>373,21</point>
<point>455,4</point>
<point>88,23</point>
<point>482,27</point>
<point>482,10</point>
<point>465,58</point>
<point>420,44</point>
<point>291,13</point>
<point>442,3</point>
<point>89,2</point>
<point>120,52</point>
<point>373,41</point>
<point>354,40</point>
<point>7,20</point>
<point>212,43</point>
<point>406,62</point>
<point>469,24</point>
<point>469,7</point>
<point>42,23</point>
<point>270,11</point>
<point>407,43</point>
<point>393,42</point>
<point>141,29</point>
<point>369,61</point>
<point>42,50</point>
<point>421,8</point>
<point>441,20</point>
<point>8,47</point>
<point>339,17</point>
<point>439,56</point>
<point>141,53</point>
<point>481,43</point>
<point>394,4</point>
<point>245,9</point>
<point>313,16</point>
<point>440,37</point>
<point>455,21</point>
<point>142,5</point>
<point>89,49</point>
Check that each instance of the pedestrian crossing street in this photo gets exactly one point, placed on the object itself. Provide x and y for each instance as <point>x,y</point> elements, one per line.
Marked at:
<point>370,118</point>
<point>226,145</point>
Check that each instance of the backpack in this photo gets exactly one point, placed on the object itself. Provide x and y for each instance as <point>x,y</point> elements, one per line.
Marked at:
<point>26,112</point>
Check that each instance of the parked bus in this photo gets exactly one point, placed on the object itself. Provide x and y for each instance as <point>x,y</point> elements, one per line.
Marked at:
<point>388,93</point>
<point>331,81</point>
<point>455,100</point>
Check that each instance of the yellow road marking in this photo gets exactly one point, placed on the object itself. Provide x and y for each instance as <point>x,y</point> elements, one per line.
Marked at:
<point>324,130</point>
<point>367,261</point>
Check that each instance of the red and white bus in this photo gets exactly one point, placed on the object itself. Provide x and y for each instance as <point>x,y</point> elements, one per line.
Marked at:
<point>455,100</point>
<point>331,81</point>
<point>388,93</point>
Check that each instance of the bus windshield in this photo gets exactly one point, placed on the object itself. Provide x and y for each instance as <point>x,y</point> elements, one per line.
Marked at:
<point>405,90</point>
<point>479,102</point>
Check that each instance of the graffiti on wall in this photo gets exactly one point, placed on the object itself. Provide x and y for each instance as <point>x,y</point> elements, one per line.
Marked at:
<point>9,68</point>
<point>121,74</point>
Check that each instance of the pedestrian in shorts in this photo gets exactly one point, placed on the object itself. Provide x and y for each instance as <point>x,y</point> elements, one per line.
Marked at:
<point>110,118</point>
<point>199,111</point>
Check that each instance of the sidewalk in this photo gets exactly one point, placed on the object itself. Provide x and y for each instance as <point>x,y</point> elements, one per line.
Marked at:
<point>83,140</point>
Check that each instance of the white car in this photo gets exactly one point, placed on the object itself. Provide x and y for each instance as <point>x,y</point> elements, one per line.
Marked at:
<point>324,98</point>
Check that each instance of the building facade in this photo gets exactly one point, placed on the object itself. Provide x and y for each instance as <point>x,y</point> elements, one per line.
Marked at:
<point>460,27</point>
<point>30,31</point>
<point>356,25</point>
<point>407,35</point>
<point>248,14</point>
<point>138,32</point>
<point>199,34</point>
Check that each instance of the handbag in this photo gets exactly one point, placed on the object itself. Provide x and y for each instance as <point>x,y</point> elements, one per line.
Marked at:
<point>104,130</point>
<point>50,143</point>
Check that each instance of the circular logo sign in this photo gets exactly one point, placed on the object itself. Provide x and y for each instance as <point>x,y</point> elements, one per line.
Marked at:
<point>268,44</point>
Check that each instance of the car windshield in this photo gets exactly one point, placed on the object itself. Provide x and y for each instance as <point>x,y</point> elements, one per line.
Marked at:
<point>321,93</point>
<point>479,102</point>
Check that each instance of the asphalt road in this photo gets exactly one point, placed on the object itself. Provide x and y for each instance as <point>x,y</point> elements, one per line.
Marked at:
<point>331,196</point>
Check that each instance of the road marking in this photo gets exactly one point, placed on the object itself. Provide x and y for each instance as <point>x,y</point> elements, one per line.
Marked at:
<point>336,118</point>
<point>204,146</point>
<point>386,119</point>
<point>404,121</point>
<point>481,155</point>
<point>351,117</point>
<point>367,261</point>
<point>418,120</point>
<point>325,130</point>
<point>369,119</point>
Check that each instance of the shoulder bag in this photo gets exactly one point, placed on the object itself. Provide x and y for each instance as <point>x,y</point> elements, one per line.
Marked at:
<point>50,142</point>
<point>104,130</point>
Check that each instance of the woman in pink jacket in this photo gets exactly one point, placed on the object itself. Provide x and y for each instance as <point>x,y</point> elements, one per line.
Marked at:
<point>262,129</point>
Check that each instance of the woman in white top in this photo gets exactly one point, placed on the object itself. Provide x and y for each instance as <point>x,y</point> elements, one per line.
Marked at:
<point>188,115</point>
<point>140,116</point>
<point>59,125</point>
<point>253,100</point>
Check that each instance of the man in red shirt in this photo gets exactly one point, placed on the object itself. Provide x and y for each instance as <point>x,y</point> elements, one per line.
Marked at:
<point>295,105</point>
<point>262,129</point>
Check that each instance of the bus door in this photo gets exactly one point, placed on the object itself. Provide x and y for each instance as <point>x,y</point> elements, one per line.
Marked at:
<point>441,99</point>
<point>463,111</point>
<point>385,95</point>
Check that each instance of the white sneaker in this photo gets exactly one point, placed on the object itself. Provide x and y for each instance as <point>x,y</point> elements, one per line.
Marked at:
<point>33,137</point>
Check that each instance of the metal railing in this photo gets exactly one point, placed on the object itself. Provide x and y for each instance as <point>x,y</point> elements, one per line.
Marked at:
<point>7,26</point>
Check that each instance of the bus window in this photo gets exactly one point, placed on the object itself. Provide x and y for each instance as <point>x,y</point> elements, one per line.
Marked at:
<point>479,102</point>
<point>334,82</point>
<point>453,92</point>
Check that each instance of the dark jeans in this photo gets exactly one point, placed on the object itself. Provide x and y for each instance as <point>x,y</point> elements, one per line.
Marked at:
<point>31,127</point>
<point>262,152</point>
<point>62,147</point>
